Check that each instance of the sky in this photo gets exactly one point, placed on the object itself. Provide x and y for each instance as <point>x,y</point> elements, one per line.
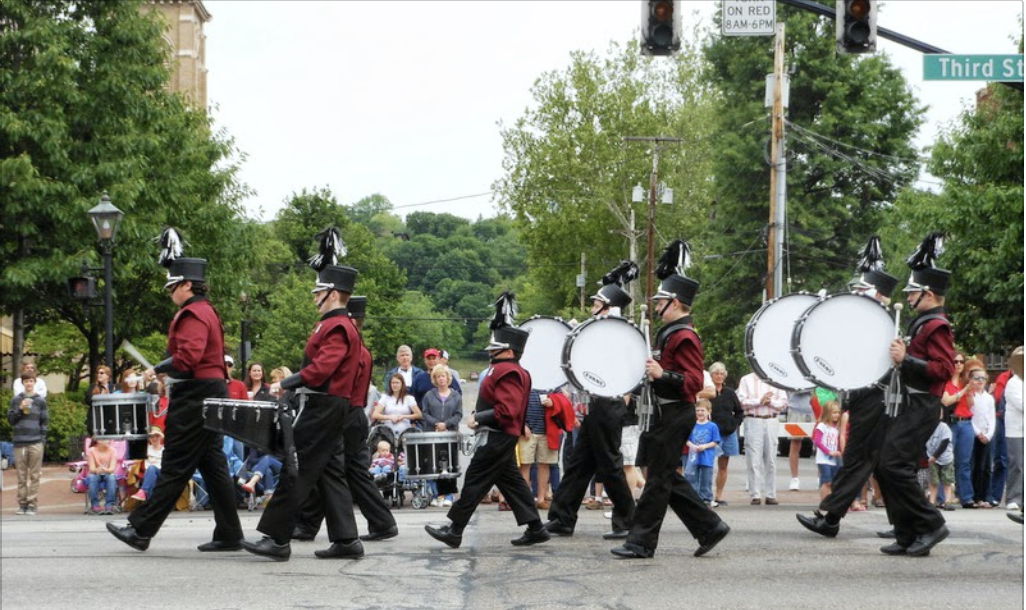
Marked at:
<point>405,98</point>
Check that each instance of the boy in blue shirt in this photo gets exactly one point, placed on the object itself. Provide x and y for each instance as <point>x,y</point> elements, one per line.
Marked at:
<point>705,436</point>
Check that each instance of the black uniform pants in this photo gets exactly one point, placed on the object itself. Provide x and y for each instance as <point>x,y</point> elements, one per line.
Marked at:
<point>317,434</point>
<point>361,484</point>
<point>907,507</point>
<point>867,428</point>
<point>188,446</point>
<point>495,463</point>
<point>596,454</point>
<point>671,427</point>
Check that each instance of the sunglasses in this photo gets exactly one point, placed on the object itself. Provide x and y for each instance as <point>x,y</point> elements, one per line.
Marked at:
<point>978,378</point>
<point>959,361</point>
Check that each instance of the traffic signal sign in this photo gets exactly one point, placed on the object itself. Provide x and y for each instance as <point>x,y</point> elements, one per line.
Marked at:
<point>660,27</point>
<point>856,26</point>
<point>82,288</point>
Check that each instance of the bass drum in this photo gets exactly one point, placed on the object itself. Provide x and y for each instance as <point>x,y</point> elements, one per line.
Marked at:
<point>841,342</point>
<point>768,341</point>
<point>541,357</point>
<point>605,357</point>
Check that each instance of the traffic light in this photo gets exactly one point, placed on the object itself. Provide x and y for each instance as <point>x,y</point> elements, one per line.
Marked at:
<point>856,26</point>
<point>82,288</point>
<point>660,27</point>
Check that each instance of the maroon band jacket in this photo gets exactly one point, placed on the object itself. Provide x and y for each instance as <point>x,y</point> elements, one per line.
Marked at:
<point>195,342</point>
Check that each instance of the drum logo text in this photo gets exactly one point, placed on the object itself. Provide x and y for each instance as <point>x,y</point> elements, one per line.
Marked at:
<point>594,378</point>
<point>823,364</point>
<point>779,370</point>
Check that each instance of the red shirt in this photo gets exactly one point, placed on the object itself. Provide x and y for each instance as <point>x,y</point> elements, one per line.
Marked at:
<point>237,390</point>
<point>935,343</point>
<point>683,354</point>
<point>506,387</point>
<point>362,379</point>
<point>962,406</point>
<point>331,356</point>
<point>195,340</point>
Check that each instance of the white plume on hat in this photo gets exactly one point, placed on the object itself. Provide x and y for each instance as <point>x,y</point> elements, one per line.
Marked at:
<point>170,246</point>
<point>330,248</point>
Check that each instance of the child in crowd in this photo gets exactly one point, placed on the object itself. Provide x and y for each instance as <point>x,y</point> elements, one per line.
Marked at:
<point>382,462</point>
<point>154,455</point>
<point>704,438</point>
<point>941,459</point>
<point>826,438</point>
<point>103,464</point>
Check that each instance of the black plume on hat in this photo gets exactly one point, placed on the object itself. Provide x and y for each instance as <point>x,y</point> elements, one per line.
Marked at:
<point>926,253</point>
<point>871,256</point>
<point>623,273</point>
<point>330,248</point>
<point>170,247</point>
<point>675,259</point>
<point>505,311</point>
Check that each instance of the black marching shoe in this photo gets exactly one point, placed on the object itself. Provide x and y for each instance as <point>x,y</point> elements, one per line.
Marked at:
<point>384,534</point>
<point>444,534</point>
<point>629,550</point>
<point>532,537</point>
<point>924,542</point>
<point>127,535</point>
<point>886,534</point>
<point>215,546</point>
<point>267,547</point>
<point>341,550</point>
<point>303,535</point>
<point>712,538</point>
<point>894,549</point>
<point>615,535</point>
<point>818,524</point>
<point>558,529</point>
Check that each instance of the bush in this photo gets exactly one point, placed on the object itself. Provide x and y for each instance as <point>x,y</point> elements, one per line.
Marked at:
<point>67,420</point>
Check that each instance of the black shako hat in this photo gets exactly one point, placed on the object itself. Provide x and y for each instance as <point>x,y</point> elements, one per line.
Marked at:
<point>336,277</point>
<point>925,276</point>
<point>677,287</point>
<point>612,296</point>
<point>676,258</point>
<point>504,334</point>
<point>357,307</point>
<point>871,270</point>
<point>186,269</point>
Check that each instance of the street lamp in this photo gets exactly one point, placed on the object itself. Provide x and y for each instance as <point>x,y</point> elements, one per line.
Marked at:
<point>106,218</point>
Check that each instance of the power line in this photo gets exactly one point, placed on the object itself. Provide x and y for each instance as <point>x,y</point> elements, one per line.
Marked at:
<point>414,205</point>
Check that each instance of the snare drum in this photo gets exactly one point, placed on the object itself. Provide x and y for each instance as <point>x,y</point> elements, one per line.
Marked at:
<point>253,422</point>
<point>432,455</point>
<point>119,416</point>
<point>841,342</point>
<point>605,356</point>
<point>542,356</point>
<point>768,341</point>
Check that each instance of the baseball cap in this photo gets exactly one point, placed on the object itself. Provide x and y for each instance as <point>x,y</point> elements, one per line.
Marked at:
<point>229,360</point>
<point>430,352</point>
<point>445,354</point>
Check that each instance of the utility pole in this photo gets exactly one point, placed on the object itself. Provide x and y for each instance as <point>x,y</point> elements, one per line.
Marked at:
<point>583,282</point>
<point>650,229</point>
<point>778,175</point>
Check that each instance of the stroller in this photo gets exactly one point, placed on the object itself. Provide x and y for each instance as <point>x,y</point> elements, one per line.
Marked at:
<point>392,486</point>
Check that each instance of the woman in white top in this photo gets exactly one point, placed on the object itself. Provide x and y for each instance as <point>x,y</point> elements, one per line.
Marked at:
<point>982,405</point>
<point>397,409</point>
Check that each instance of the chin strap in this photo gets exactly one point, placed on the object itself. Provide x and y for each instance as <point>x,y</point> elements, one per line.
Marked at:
<point>662,310</point>
<point>327,293</point>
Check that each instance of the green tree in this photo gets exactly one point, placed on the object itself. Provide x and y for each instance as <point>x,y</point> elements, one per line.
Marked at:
<point>850,124</point>
<point>567,165</point>
<point>980,210</point>
<point>85,110</point>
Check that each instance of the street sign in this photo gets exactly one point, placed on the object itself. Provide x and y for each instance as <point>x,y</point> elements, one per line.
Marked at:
<point>749,17</point>
<point>1006,68</point>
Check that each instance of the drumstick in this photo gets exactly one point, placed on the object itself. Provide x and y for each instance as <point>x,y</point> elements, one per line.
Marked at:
<point>134,353</point>
<point>897,319</point>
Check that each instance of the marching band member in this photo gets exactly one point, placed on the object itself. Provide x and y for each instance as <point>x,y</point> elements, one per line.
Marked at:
<point>326,380</point>
<point>380,522</point>
<point>195,342</point>
<point>596,452</point>
<point>498,419</point>
<point>677,374</point>
<point>867,426</point>
<point>925,365</point>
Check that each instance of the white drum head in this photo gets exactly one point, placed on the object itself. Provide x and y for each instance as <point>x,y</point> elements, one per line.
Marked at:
<point>768,341</point>
<point>542,355</point>
<point>605,357</point>
<point>842,342</point>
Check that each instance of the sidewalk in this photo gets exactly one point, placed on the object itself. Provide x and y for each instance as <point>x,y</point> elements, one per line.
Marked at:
<point>56,497</point>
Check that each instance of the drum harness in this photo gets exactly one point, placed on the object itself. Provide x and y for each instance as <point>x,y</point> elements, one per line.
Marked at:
<point>649,401</point>
<point>895,388</point>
